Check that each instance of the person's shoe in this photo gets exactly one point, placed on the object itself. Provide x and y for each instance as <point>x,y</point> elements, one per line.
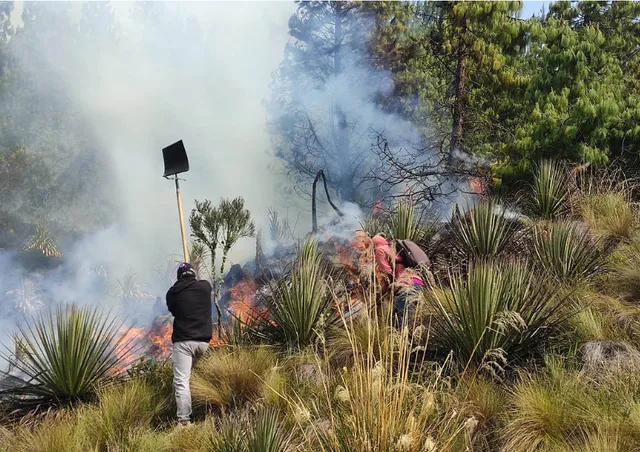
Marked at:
<point>182,424</point>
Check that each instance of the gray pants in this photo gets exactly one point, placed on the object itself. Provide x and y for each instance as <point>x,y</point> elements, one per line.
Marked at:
<point>184,357</point>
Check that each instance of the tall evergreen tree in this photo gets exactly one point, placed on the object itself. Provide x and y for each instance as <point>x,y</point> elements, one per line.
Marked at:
<point>323,103</point>
<point>585,92</point>
<point>452,62</point>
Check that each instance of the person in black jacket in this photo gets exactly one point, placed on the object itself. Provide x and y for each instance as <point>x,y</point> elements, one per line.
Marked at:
<point>189,300</point>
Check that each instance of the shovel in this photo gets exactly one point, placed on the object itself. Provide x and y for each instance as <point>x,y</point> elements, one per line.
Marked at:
<point>176,162</point>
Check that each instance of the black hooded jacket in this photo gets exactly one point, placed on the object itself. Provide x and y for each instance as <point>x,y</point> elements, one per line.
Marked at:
<point>189,300</point>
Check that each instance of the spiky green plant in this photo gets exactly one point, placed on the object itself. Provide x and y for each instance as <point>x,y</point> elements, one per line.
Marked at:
<point>405,223</point>
<point>279,230</point>
<point>299,310</point>
<point>267,435</point>
<point>497,313</point>
<point>43,242</point>
<point>568,252</point>
<point>65,354</point>
<point>231,439</point>
<point>484,231</point>
<point>130,287</point>
<point>549,190</point>
<point>26,298</point>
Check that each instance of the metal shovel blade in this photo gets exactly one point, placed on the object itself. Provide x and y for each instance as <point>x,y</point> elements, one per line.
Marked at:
<point>175,159</point>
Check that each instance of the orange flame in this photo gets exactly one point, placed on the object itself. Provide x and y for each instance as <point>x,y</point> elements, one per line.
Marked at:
<point>243,299</point>
<point>160,340</point>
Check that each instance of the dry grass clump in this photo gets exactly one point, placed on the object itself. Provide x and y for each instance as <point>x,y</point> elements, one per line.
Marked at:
<point>604,317</point>
<point>123,414</point>
<point>229,377</point>
<point>609,213</point>
<point>54,433</point>
<point>382,400</point>
<point>624,277</point>
<point>562,409</point>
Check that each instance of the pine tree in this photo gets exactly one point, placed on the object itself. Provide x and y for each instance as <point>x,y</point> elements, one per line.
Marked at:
<point>584,95</point>
<point>319,92</point>
<point>458,60</point>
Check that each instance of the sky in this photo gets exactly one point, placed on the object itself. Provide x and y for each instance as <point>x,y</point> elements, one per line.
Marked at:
<point>533,7</point>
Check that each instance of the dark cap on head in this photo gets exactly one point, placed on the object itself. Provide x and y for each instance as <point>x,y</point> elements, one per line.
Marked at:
<point>186,270</point>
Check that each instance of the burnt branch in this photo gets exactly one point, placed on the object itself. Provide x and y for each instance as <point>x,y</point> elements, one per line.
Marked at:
<point>425,173</point>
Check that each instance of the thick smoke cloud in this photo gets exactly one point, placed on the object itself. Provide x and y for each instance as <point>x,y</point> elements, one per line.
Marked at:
<point>191,71</point>
<point>142,76</point>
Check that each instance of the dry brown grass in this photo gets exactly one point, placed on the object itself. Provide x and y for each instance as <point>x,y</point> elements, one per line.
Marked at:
<point>229,377</point>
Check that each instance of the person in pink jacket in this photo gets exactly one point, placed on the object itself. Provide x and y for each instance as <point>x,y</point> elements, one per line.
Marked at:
<point>404,280</point>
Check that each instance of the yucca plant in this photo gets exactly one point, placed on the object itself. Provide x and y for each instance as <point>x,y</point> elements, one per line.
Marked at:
<point>568,252</point>
<point>27,298</point>
<point>405,223</point>
<point>484,231</point>
<point>267,435</point>
<point>130,288</point>
<point>497,313</point>
<point>549,190</point>
<point>43,242</point>
<point>299,309</point>
<point>65,354</point>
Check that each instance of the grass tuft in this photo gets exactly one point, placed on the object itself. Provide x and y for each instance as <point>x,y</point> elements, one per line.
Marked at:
<point>232,377</point>
<point>608,213</point>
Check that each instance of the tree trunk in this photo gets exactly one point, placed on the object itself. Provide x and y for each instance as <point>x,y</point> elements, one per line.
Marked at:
<point>460,102</point>
<point>345,189</point>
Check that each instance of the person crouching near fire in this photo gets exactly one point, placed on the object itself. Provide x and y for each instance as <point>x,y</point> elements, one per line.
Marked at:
<point>189,301</point>
<point>404,281</point>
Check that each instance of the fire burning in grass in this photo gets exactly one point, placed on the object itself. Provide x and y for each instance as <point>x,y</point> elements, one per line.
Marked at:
<point>243,299</point>
<point>354,257</point>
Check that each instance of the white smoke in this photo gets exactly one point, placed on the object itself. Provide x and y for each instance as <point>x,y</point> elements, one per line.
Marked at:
<point>197,72</point>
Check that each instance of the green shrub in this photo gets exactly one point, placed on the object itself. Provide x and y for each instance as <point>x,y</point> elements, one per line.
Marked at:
<point>299,310</point>
<point>64,355</point>
<point>494,314</point>
<point>485,231</point>
<point>549,191</point>
<point>568,252</point>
